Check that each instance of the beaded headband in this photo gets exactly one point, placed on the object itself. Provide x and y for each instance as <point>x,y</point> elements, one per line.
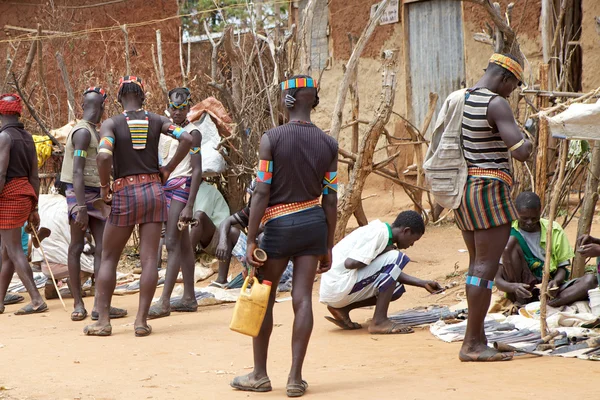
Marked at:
<point>95,89</point>
<point>131,79</point>
<point>182,104</point>
<point>509,64</point>
<point>298,83</point>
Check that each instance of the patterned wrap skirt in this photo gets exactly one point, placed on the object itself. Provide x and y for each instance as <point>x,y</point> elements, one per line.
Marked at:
<point>91,194</point>
<point>486,201</point>
<point>17,201</point>
<point>138,199</point>
<point>178,189</point>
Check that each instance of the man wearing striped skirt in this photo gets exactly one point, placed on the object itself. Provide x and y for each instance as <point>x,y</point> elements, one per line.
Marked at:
<point>490,137</point>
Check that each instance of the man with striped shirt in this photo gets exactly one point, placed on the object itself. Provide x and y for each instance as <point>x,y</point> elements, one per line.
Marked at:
<point>490,136</point>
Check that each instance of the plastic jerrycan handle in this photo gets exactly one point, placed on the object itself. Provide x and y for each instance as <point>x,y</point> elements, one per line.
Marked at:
<point>246,282</point>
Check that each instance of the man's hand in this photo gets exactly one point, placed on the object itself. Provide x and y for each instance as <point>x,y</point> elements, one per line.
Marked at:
<point>34,221</point>
<point>82,219</point>
<point>187,214</point>
<point>589,250</point>
<point>164,174</point>
<point>522,290</point>
<point>222,249</point>
<point>324,262</point>
<point>583,240</point>
<point>432,286</point>
<point>250,257</point>
<point>106,194</point>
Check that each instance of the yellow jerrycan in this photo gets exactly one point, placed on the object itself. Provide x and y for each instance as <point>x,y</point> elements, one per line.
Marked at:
<point>250,307</point>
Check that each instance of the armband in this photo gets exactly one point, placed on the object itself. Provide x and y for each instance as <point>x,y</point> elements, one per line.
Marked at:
<point>194,150</point>
<point>80,153</point>
<point>330,182</point>
<point>175,131</point>
<point>265,171</point>
<point>517,145</point>
<point>106,145</point>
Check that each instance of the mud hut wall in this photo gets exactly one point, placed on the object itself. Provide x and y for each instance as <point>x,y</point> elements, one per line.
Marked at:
<point>93,58</point>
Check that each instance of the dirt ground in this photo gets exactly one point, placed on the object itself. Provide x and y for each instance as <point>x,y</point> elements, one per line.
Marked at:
<point>196,355</point>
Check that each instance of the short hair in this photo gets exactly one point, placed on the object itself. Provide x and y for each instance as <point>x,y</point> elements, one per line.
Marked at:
<point>133,88</point>
<point>528,201</point>
<point>410,219</point>
<point>180,93</point>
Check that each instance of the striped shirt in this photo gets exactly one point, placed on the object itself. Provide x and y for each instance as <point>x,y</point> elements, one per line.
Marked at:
<point>302,154</point>
<point>482,147</point>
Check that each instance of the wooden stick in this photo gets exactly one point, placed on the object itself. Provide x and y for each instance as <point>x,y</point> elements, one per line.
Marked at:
<point>541,159</point>
<point>564,149</point>
<point>161,69</point>
<point>49,269</point>
<point>305,35</point>
<point>28,63</point>
<point>589,206</point>
<point>336,119</point>
<point>40,64</point>
<point>126,36</point>
<point>65,76</point>
<point>561,106</point>
<point>183,77</point>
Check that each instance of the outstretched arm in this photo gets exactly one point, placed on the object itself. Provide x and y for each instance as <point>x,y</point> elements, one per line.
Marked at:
<point>430,286</point>
<point>260,198</point>
<point>501,116</point>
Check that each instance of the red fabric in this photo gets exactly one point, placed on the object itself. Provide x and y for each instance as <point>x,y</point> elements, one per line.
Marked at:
<point>16,203</point>
<point>10,107</point>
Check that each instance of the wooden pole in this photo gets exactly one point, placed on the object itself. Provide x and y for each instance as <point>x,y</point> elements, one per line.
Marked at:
<point>541,159</point>
<point>40,65</point>
<point>126,35</point>
<point>433,99</point>
<point>564,152</point>
<point>161,69</point>
<point>183,77</point>
<point>546,23</point>
<point>28,63</point>
<point>336,119</point>
<point>589,206</point>
<point>65,76</point>
<point>305,36</point>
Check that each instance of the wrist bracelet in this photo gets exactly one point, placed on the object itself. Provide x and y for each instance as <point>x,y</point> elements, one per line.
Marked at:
<point>517,145</point>
<point>103,186</point>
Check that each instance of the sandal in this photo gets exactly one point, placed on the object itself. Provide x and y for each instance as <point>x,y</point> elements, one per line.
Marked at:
<point>156,312</point>
<point>12,298</point>
<point>218,285</point>
<point>141,331</point>
<point>296,389</point>
<point>93,330</point>
<point>343,325</point>
<point>180,306</point>
<point>488,355</point>
<point>243,383</point>
<point>42,234</point>
<point>28,309</point>
<point>78,315</point>
<point>114,313</point>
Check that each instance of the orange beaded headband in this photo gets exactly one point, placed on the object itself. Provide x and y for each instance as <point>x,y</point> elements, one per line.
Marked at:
<point>509,64</point>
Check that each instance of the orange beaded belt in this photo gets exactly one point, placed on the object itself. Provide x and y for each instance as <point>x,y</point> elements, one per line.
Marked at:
<point>492,173</point>
<point>281,210</point>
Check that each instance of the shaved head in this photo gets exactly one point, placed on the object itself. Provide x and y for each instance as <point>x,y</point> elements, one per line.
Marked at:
<point>93,106</point>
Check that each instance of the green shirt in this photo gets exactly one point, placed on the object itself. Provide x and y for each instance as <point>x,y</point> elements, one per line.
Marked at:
<point>561,249</point>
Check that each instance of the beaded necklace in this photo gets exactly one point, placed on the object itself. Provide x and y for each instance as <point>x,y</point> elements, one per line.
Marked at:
<point>138,130</point>
<point>301,122</point>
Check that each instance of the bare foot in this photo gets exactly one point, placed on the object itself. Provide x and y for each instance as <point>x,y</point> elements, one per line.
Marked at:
<point>343,318</point>
<point>389,327</point>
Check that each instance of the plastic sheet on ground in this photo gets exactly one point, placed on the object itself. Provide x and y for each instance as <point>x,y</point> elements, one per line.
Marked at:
<point>207,296</point>
<point>16,286</point>
<point>54,216</point>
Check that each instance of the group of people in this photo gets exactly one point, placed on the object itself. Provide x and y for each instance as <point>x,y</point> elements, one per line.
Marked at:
<point>149,169</point>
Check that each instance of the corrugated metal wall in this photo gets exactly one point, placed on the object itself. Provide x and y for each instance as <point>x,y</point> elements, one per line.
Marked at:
<point>436,54</point>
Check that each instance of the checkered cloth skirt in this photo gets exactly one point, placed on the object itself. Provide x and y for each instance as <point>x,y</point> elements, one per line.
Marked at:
<point>178,189</point>
<point>138,199</point>
<point>16,203</point>
<point>486,204</point>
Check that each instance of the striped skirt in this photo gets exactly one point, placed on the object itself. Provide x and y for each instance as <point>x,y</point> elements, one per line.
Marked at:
<point>16,203</point>
<point>486,204</point>
<point>178,189</point>
<point>138,199</point>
